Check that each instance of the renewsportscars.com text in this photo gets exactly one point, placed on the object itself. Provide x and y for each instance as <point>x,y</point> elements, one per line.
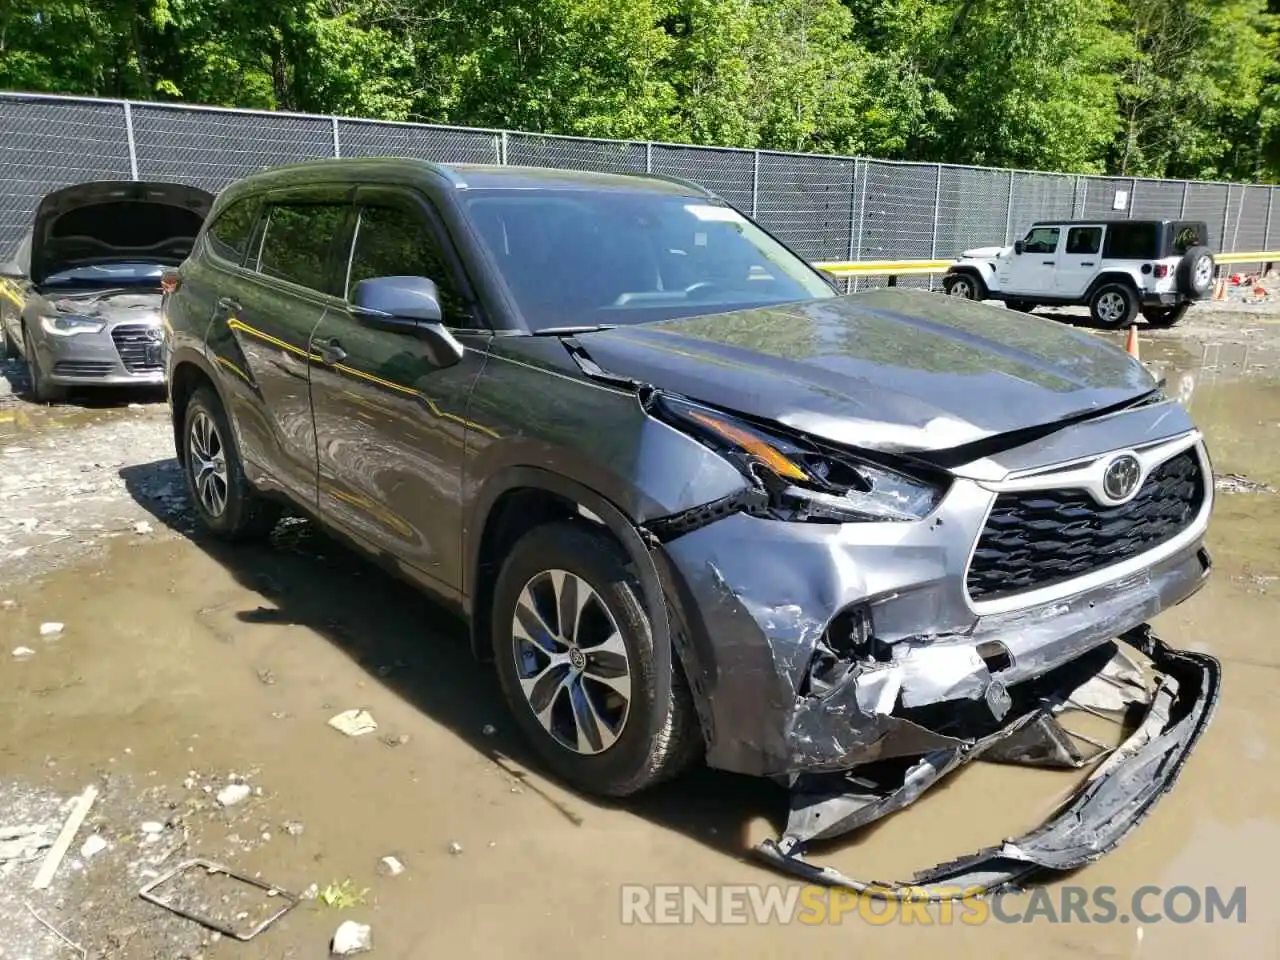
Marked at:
<point>764,905</point>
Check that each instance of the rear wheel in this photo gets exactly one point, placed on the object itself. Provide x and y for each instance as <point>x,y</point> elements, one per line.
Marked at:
<point>1114,305</point>
<point>42,391</point>
<point>225,503</point>
<point>963,285</point>
<point>574,651</point>
<point>1165,316</point>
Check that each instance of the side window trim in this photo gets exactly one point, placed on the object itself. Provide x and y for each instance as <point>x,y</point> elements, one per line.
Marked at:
<point>420,203</point>
<point>255,201</point>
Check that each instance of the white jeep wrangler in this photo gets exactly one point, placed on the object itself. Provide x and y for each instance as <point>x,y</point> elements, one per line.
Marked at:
<point>1117,268</point>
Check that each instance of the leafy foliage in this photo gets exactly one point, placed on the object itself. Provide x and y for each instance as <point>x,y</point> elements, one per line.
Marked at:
<point>1187,88</point>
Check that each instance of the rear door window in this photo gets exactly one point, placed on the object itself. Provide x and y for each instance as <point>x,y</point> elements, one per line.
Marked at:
<point>297,240</point>
<point>1133,241</point>
<point>229,234</point>
<point>1083,240</point>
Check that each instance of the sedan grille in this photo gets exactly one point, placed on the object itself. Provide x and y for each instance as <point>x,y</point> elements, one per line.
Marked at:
<point>136,345</point>
<point>1039,538</point>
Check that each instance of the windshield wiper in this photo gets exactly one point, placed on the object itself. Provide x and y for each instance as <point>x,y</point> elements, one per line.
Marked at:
<point>570,331</point>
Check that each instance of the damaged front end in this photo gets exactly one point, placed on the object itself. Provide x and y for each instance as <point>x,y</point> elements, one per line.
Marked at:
<point>1117,795</point>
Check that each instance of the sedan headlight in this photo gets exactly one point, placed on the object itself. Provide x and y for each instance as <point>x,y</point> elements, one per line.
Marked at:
<point>68,324</point>
<point>809,480</point>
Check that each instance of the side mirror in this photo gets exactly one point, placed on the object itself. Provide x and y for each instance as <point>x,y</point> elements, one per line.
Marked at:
<point>1019,247</point>
<point>409,306</point>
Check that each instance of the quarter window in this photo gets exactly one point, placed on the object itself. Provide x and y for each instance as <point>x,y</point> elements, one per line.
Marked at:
<point>398,242</point>
<point>295,246</point>
<point>1041,240</point>
<point>1133,241</point>
<point>1084,240</point>
<point>229,234</point>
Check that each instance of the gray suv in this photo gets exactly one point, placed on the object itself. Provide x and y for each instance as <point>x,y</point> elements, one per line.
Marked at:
<point>693,501</point>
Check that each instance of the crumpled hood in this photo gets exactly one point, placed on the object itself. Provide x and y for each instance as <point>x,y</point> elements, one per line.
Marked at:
<point>888,369</point>
<point>111,221</point>
<point>985,253</point>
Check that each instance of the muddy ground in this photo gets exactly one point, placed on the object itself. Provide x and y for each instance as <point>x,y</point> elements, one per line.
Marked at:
<point>183,668</point>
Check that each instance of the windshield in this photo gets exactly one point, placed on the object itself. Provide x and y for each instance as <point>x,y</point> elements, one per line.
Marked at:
<point>115,274</point>
<point>580,258</point>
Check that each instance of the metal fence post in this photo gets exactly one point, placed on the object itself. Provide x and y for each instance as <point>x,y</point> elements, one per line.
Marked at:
<point>855,249</point>
<point>1226,221</point>
<point>1186,189</point>
<point>503,146</point>
<point>648,156</point>
<point>937,215</point>
<point>133,148</point>
<point>755,182</point>
<point>1008,212</point>
<point>337,146</point>
<point>1271,202</point>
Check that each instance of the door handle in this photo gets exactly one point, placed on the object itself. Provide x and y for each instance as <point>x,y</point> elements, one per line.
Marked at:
<point>1087,263</point>
<point>229,305</point>
<point>331,351</point>
<point>1048,263</point>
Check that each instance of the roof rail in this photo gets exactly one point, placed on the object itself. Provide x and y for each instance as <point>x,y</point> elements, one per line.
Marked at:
<point>692,185</point>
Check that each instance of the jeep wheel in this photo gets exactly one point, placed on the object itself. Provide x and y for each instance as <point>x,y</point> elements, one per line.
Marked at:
<point>574,653</point>
<point>225,504</point>
<point>1165,316</point>
<point>1194,273</point>
<point>42,391</point>
<point>1113,305</point>
<point>963,285</point>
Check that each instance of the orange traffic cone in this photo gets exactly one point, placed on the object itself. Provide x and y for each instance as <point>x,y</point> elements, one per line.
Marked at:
<point>1131,345</point>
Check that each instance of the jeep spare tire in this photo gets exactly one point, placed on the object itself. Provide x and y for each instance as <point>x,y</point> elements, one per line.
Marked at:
<point>1195,272</point>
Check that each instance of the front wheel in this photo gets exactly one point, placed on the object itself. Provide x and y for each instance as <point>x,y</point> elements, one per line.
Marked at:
<point>574,652</point>
<point>962,285</point>
<point>1113,305</point>
<point>225,504</point>
<point>42,391</point>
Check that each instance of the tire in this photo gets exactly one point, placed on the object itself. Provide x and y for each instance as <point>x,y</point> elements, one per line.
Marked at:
<point>1113,305</point>
<point>207,438</point>
<point>1022,306</point>
<point>965,286</point>
<point>42,391</point>
<point>1194,273</point>
<point>1165,316</point>
<point>632,740</point>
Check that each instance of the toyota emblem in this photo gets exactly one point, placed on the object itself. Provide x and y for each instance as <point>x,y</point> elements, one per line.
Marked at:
<point>1120,479</point>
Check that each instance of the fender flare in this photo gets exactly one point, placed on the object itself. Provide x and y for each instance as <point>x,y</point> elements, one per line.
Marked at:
<point>516,477</point>
<point>1109,277</point>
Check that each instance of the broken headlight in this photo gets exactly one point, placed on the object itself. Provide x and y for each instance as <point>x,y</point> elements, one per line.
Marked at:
<point>808,480</point>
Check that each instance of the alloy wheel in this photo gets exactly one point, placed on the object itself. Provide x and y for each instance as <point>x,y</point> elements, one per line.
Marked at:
<point>961,288</point>
<point>571,662</point>
<point>208,464</point>
<point>1204,273</point>
<point>1111,307</point>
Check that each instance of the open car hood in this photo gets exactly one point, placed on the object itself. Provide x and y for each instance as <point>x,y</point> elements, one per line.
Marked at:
<point>113,221</point>
<point>889,369</point>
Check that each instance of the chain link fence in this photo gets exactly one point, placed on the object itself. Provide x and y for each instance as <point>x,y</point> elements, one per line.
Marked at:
<point>827,208</point>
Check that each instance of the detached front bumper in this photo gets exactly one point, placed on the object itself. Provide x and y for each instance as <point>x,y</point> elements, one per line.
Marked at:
<point>1110,803</point>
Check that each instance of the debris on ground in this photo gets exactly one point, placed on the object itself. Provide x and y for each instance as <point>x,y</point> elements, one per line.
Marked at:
<point>22,653</point>
<point>1238,483</point>
<point>233,793</point>
<point>93,846</point>
<point>351,938</point>
<point>142,528</point>
<point>51,629</point>
<point>53,860</point>
<point>396,739</point>
<point>294,828</point>
<point>354,723</point>
<point>455,847</point>
<point>246,905</point>
<point>24,843</point>
<point>390,867</point>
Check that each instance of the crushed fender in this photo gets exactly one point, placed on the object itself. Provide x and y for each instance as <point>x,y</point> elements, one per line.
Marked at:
<point>1123,788</point>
